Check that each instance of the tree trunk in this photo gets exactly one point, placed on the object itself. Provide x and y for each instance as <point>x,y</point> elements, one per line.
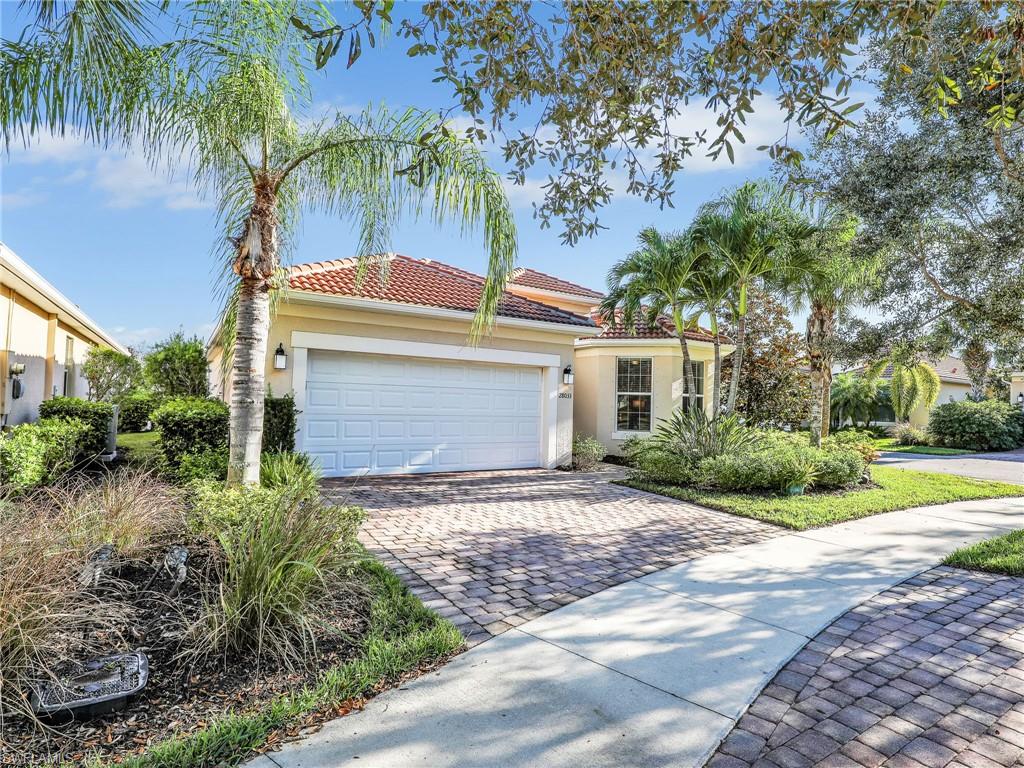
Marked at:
<point>976,361</point>
<point>826,397</point>
<point>716,387</point>
<point>815,338</point>
<point>255,265</point>
<point>689,390</point>
<point>737,362</point>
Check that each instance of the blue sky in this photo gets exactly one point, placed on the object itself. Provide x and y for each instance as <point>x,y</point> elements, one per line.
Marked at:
<point>132,247</point>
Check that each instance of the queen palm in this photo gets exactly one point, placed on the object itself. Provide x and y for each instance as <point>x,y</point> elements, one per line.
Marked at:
<point>265,168</point>
<point>911,382</point>
<point>753,229</point>
<point>710,292</point>
<point>656,280</point>
<point>834,279</point>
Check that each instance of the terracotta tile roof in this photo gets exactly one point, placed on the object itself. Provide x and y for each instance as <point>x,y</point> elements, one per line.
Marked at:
<point>664,329</point>
<point>419,282</point>
<point>531,278</point>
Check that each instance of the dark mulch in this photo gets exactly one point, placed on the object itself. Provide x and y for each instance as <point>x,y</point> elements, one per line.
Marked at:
<point>183,693</point>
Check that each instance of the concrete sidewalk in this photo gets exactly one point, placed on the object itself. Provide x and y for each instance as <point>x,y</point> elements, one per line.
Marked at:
<point>653,672</point>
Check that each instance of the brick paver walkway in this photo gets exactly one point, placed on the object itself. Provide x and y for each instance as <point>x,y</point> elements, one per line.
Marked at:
<point>491,550</point>
<point>929,673</point>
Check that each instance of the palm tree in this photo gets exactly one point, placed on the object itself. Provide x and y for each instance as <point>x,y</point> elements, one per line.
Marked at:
<point>653,281</point>
<point>226,103</point>
<point>266,168</point>
<point>853,397</point>
<point>710,293</point>
<point>834,280</point>
<point>754,230</point>
<point>911,382</point>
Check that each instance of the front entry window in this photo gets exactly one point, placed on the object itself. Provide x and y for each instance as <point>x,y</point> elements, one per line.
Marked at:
<point>633,394</point>
<point>698,385</point>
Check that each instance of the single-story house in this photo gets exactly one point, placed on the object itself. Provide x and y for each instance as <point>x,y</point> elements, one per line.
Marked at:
<point>44,340</point>
<point>387,382</point>
<point>1017,388</point>
<point>954,385</point>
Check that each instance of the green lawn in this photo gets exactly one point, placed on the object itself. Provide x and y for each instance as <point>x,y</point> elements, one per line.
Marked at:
<point>898,489</point>
<point>139,446</point>
<point>889,444</point>
<point>1003,554</point>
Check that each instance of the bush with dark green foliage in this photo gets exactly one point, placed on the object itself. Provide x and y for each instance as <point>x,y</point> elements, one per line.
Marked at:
<point>838,467</point>
<point>177,367</point>
<point>279,423</point>
<point>134,411</point>
<point>191,425</point>
<point>96,417</point>
<point>32,455</point>
<point>990,425</point>
<point>587,452</point>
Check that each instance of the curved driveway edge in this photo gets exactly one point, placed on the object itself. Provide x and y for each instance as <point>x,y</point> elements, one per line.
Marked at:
<point>654,672</point>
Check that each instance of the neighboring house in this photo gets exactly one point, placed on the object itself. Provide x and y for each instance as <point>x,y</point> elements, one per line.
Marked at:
<point>44,331</point>
<point>387,382</point>
<point>954,386</point>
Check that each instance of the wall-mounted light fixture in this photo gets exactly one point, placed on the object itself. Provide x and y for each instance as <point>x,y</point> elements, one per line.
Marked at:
<point>1020,399</point>
<point>17,387</point>
<point>567,376</point>
<point>280,358</point>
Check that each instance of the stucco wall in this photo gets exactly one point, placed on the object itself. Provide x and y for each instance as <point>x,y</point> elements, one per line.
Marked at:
<point>595,405</point>
<point>319,318</point>
<point>947,392</point>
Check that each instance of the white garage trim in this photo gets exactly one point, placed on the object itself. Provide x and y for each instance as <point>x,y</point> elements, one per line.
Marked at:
<point>550,365</point>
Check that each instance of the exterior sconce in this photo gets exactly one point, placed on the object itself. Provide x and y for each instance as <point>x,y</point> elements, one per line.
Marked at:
<point>280,358</point>
<point>567,376</point>
<point>1020,399</point>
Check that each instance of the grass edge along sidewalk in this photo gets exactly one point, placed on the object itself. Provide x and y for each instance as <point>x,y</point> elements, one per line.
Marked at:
<point>895,489</point>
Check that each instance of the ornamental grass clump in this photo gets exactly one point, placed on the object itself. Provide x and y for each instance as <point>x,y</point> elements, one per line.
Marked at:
<point>285,567</point>
<point>44,611</point>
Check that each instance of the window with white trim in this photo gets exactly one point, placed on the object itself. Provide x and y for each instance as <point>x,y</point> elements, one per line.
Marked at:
<point>633,394</point>
<point>698,384</point>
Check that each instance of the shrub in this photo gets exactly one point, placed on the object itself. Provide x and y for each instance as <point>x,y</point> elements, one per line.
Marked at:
<point>32,455</point>
<point>191,425</point>
<point>111,374</point>
<point>761,470</point>
<point>279,423</point>
<point>290,470</point>
<point>96,417</point>
<point>692,435</point>
<point>860,441</point>
<point>990,425</point>
<point>907,434</point>
<point>134,411</point>
<point>586,452</point>
<point>177,367</point>
<point>285,567</point>
<point>211,464</point>
<point>839,467</point>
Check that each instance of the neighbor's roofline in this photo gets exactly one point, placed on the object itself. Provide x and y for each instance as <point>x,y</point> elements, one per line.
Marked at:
<point>49,298</point>
<point>577,297</point>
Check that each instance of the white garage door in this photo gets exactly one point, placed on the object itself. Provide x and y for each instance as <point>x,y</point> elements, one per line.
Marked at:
<point>378,414</point>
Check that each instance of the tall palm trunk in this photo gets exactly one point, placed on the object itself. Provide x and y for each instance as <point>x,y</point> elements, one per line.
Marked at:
<point>816,338</point>
<point>255,265</point>
<point>716,386</point>
<point>689,388</point>
<point>737,362</point>
<point>826,397</point>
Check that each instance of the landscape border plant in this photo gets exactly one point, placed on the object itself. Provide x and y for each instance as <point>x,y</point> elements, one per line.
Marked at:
<point>96,417</point>
<point>403,637</point>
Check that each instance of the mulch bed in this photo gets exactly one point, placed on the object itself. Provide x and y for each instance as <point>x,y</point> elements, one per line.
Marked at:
<point>183,694</point>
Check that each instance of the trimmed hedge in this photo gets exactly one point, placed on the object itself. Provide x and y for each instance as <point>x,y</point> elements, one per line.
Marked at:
<point>191,425</point>
<point>36,454</point>
<point>135,410</point>
<point>279,423</point>
<point>96,417</point>
<point>990,425</point>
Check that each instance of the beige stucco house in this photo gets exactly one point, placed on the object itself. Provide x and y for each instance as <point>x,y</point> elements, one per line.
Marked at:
<point>44,339</point>
<point>954,385</point>
<point>388,383</point>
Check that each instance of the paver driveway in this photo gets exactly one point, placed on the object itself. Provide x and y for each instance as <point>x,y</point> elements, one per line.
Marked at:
<point>491,550</point>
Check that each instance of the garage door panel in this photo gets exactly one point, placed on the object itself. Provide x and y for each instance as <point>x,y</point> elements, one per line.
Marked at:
<point>374,414</point>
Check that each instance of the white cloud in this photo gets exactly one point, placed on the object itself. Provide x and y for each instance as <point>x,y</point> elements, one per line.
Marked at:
<point>26,198</point>
<point>123,177</point>
<point>138,337</point>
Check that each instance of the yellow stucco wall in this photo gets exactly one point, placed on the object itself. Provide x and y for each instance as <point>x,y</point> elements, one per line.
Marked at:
<point>296,315</point>
<point>947,392</point>
<point>595,385</point>
<point>1016,386</point>
<point>25,331</point>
